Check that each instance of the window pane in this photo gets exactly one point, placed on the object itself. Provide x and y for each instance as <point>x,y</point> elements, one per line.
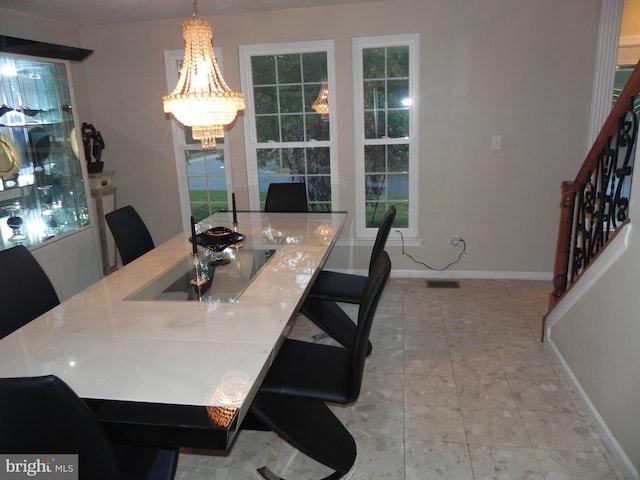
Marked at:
<point>266,99</point>
<point>318,161</point>
<point>373,61</point>
<point>293,159</point>
<point>317,127</point>
<point>374,95</point>
<point>207,182</point>
<point>398,61</point>
<point>398,123</point>
<point>397,93</point>
<point>291,99</point>
<point>263,70</point>
<point>314,66</point>
<point>289,68</point>
<point>375,212</point>
<point>375,187</point>
<point>374,124</point>
<point>374,158</point>
<point>319,193</point>
<point>311,92</point>
<point>398,187</point>
<point>292,128</point>
<point>268,129</point>
<point>398,158</point>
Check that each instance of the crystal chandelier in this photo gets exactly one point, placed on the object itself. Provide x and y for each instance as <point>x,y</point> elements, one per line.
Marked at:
<point>202,99</point>
<point>321,104</point>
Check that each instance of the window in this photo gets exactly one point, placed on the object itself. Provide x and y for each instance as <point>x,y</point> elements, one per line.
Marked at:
<point>385,115</point>
<point>202,176</point>
<point>288,140</point>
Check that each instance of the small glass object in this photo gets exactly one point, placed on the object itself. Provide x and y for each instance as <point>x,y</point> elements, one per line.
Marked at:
<point>16,223</point>
<point>50,221</point>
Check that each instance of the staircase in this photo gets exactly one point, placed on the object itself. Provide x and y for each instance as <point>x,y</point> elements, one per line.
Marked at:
<point>595,205</point>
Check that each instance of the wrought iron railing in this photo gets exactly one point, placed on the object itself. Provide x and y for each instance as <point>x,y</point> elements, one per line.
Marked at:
<point>596,204</point>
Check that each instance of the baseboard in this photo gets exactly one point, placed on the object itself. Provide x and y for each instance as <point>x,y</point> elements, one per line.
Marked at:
<point>459,274</point>
<point>472,275</point>
<point>629,470</point>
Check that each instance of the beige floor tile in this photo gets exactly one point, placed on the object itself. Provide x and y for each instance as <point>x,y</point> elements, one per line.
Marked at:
<point>434,423</point>
<point>458,387</point>
<point>572,465</point>
<point>544,396</point>
<point>504,463</point>
<point>437,461</point>
<point>484,391</point>
<point>569,431</point>
<point>494,427</point>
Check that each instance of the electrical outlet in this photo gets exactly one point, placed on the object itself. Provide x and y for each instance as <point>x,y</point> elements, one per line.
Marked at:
<point>454,240</point>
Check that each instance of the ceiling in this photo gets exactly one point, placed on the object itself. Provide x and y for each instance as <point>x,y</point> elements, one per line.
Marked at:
<point>98,12</point>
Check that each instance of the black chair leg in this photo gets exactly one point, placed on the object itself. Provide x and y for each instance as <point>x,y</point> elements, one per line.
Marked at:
<point>310,427</point>
<point>331,318</point>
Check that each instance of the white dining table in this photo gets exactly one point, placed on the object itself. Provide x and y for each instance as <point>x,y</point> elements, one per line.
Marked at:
<point>176,362</point>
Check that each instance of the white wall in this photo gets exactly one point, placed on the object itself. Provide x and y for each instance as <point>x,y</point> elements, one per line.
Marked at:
<point>595,332</point>
<point>519,69</point>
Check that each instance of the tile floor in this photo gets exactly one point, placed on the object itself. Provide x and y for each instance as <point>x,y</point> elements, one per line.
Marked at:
<point>458,387</point>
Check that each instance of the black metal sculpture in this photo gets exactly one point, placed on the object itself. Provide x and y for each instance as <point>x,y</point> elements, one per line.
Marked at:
<point>93,146</point>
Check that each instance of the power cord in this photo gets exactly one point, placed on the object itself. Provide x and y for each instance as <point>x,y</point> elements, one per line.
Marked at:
<point>462,253</point>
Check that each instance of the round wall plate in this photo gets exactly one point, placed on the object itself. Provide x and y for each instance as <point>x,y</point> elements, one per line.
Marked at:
<point>9,158</point>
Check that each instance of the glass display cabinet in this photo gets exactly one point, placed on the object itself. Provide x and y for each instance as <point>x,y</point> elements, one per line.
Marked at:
<point>42,188</point>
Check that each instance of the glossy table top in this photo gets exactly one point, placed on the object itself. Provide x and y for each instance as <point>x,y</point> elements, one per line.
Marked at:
<point>206,353</point>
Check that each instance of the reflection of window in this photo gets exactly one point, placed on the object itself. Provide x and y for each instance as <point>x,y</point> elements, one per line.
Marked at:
<point>385,76</point>
<point>288,140</point>
<point>207,181</point>
<point>202,178</point>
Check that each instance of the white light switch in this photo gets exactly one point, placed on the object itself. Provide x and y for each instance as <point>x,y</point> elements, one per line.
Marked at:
<point>496,142</point>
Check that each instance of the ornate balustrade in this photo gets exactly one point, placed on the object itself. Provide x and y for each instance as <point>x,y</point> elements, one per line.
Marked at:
<point>596,203</point>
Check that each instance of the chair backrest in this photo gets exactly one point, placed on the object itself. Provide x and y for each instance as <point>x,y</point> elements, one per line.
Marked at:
<point>376,281</point>
<point>383,234</point>
<point>286,197</point>
<point>42,415</point>
<point>25,289</point>
<point>130,233</point>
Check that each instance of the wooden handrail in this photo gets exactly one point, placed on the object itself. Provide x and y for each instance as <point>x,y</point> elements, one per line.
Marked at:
<point>594,205</point>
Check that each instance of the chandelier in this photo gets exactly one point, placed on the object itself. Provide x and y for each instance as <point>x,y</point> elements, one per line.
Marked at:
<point>202,99</point>
<point>321,104</point>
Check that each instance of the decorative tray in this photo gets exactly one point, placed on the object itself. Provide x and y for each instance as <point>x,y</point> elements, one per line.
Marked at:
<point>218,238</point>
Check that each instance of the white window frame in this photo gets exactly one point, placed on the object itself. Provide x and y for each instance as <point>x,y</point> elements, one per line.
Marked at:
<point>358,45</point>
<point>180,147</point>
<point>251,143</point>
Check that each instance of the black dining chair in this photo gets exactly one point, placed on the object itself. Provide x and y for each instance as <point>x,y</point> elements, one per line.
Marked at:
<point>330,287</point>
<point>304,376</point>
<point>286,197</point>
<point>43,415</point>
<point>26,292</point>
<point>348,287</point>
<point>130,233</point>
